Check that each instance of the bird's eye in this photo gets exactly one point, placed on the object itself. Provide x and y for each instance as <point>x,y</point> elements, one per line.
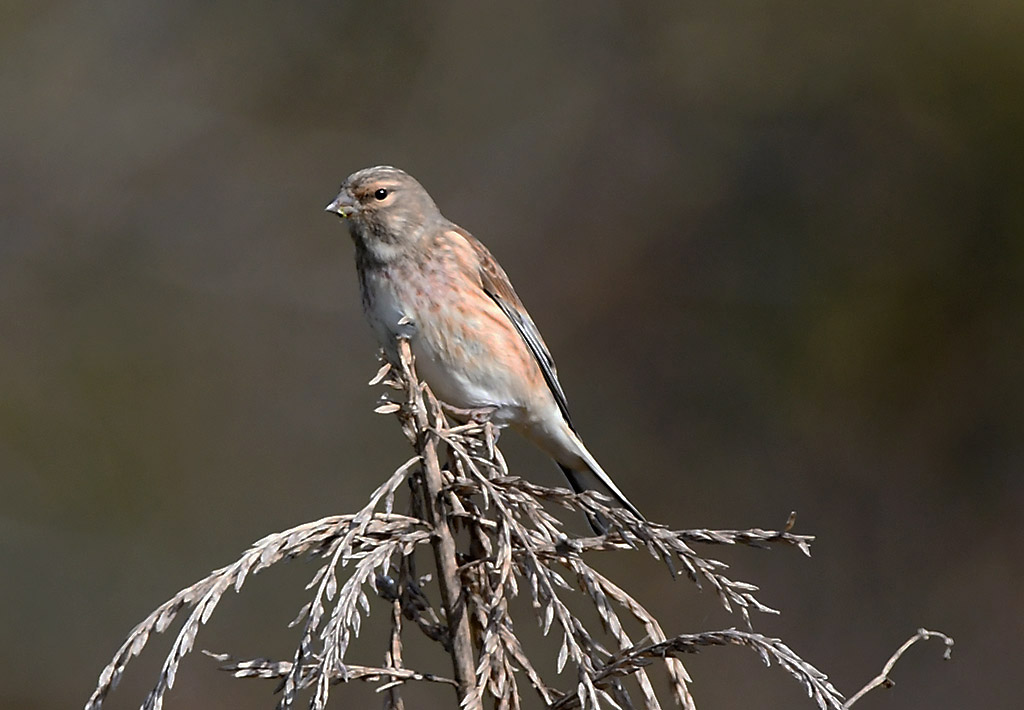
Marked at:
<point>380,194</point>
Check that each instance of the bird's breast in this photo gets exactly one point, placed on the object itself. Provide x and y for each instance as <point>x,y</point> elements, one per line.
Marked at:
<point>466,349</point>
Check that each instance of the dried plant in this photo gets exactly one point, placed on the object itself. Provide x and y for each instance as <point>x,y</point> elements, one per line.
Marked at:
<point>492,537</point>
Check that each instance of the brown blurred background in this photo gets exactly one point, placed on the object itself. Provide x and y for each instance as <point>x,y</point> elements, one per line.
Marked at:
<point>776,248</point>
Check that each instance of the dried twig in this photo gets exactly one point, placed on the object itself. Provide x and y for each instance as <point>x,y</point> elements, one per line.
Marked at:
<point>491,537</point>
<point>320,538</point>
<point>442,540</point>
<point>769,649</point>
<point>266,668</point>
<point>883,679</point>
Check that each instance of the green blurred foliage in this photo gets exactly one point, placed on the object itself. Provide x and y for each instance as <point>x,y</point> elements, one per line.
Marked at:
<point>776,247</point>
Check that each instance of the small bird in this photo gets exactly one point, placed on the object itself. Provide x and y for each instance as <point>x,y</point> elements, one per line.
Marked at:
<point>426,278</point>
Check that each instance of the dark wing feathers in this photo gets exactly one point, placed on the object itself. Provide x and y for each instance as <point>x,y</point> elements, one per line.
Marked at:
<point>496,285</point>
<point>528,330</point>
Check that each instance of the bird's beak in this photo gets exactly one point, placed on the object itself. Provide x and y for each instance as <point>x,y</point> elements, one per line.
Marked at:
<point>343,205</point>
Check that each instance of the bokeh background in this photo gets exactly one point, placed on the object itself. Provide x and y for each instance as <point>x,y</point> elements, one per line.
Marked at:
<point>776,247</point>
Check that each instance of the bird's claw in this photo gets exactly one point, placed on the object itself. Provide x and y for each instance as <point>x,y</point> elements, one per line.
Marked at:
<point>476,415</point>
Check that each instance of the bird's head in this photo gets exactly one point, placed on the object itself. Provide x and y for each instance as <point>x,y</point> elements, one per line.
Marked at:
<point>386,208</point>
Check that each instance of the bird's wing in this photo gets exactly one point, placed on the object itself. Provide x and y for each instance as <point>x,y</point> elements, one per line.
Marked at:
<point>495,284</point>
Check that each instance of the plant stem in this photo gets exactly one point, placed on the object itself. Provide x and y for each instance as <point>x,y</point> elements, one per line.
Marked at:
<point>443,544</point>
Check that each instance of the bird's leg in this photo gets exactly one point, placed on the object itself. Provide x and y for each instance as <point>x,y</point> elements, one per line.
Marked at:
<point>477,415</point>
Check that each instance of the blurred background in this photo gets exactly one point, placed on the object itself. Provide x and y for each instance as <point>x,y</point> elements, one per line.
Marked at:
<point>777,249</point>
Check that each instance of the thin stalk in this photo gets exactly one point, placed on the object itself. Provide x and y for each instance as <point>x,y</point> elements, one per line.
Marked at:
<point>443,543</point>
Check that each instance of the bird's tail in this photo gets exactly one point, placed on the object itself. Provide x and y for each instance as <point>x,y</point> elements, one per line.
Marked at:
<point>593,478</point>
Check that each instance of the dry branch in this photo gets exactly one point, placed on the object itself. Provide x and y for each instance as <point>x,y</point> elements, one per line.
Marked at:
<point>882,680</point>
<point>490,537</point>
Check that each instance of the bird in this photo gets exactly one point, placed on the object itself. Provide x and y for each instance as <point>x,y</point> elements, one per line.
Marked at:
<point>427,279</point>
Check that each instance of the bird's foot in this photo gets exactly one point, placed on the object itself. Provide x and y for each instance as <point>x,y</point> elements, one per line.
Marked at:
<point>481,416</point>
<point>476,415</point>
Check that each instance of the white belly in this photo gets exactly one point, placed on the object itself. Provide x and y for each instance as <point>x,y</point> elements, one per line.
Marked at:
<point>466,388</point>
